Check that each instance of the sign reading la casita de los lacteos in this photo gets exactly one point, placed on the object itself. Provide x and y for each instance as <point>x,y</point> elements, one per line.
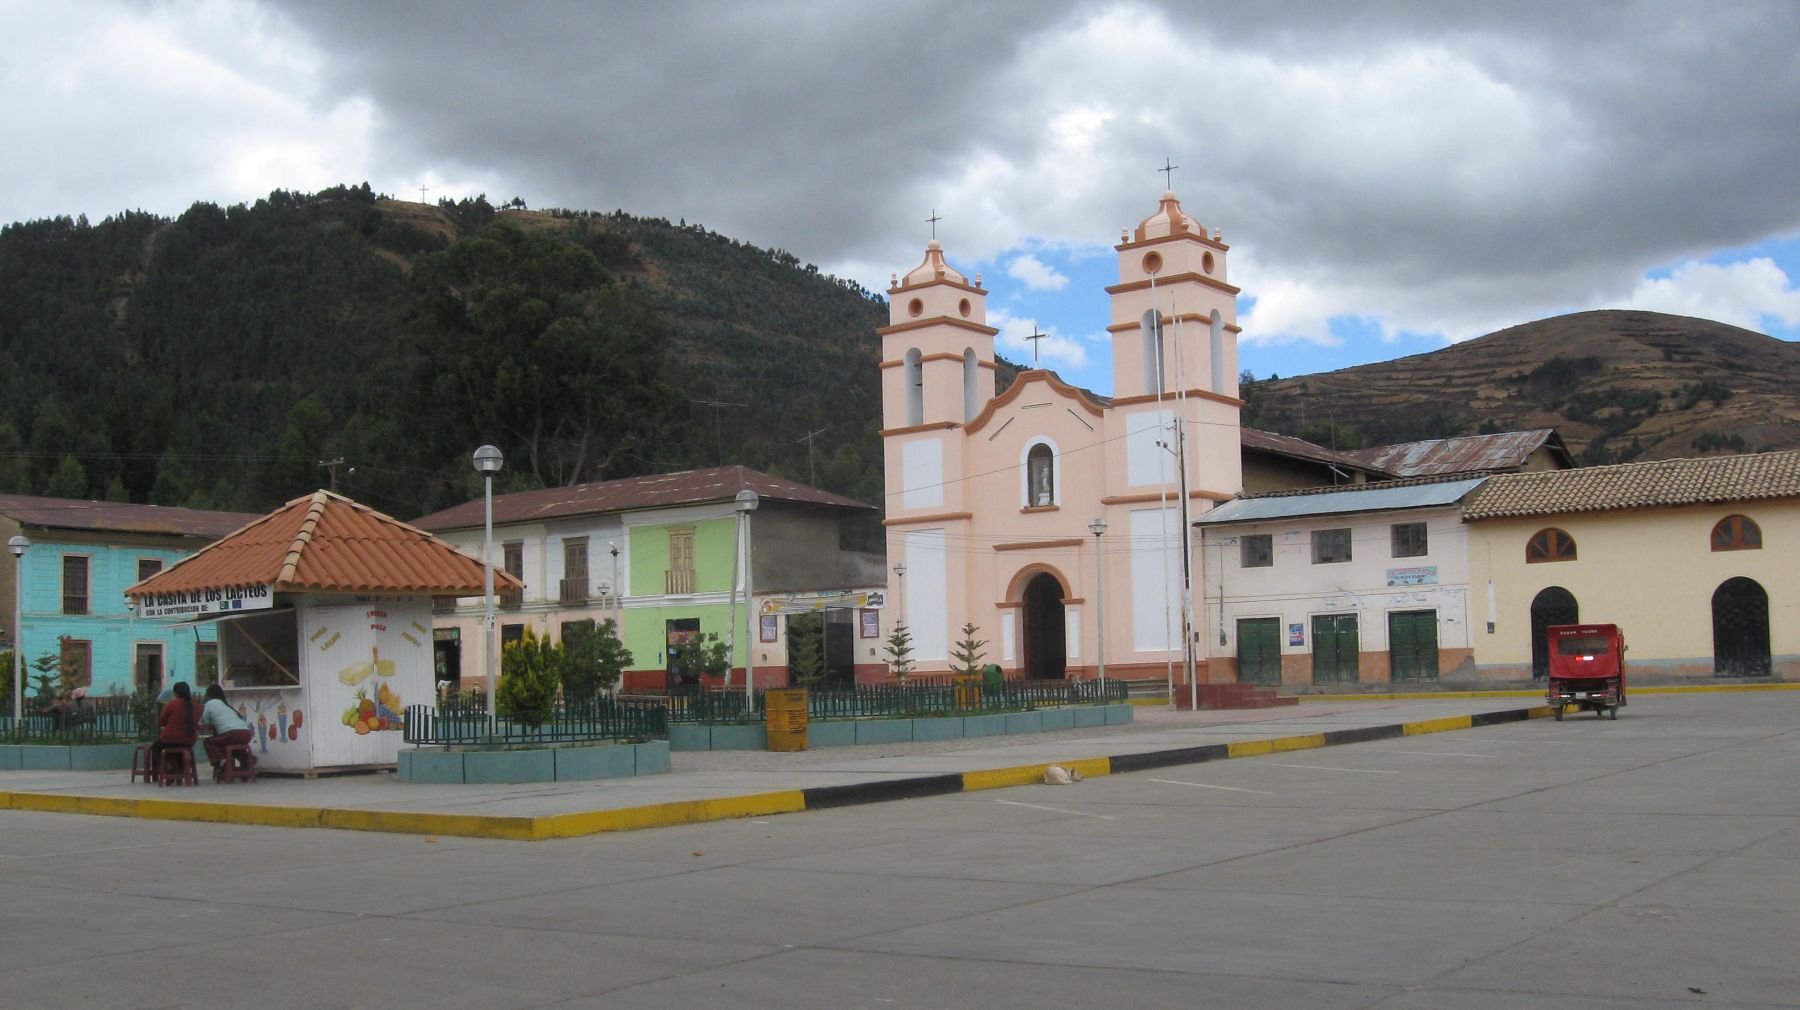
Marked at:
<point>208,600</point>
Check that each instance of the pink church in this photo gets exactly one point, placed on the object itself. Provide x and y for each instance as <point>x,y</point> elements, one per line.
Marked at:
<point>993,502</point>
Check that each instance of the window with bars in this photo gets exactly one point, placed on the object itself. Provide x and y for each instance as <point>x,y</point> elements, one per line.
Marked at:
<point>75,583</point>
<point>575,570</point>
<point>1410,540</point>
<point>1330,547</point>
<point>1256,550</point>
<point>148,567</point>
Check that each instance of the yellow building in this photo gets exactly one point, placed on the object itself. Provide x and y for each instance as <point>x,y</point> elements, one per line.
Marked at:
<point>1694,559</point>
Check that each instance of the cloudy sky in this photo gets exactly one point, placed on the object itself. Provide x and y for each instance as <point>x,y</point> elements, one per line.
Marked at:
<point>1390,175</point>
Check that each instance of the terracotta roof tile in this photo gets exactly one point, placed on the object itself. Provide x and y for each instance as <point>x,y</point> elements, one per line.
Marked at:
<point>1653,484</point>
<point>325,542</point>
<point>688,487</point>
<point>119,517</point>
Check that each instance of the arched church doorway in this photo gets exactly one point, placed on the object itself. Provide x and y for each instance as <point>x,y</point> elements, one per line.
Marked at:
<point>1549,608</point>
<point>1740,615</point>
<point>1046,652</point>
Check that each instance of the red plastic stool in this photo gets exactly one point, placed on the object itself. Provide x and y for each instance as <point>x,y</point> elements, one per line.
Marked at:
<point>140,764</point>
<point>240,764</point>
<point>183,774</point>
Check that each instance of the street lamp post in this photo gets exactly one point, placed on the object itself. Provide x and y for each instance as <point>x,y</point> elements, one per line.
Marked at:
<point>17,545</point>
<point>619,590</point>
<point>900,585</point>
<point>746,502</point>
<point>1099,527</point>
<point>488,461</point>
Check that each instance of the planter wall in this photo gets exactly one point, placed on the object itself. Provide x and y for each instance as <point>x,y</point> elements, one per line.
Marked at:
<point>845,732</point>
<point>549,764</point>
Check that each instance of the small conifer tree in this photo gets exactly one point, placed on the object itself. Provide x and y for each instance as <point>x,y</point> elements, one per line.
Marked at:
<point>967,654</point>
<point>899,652</point>
<point>806,654</point>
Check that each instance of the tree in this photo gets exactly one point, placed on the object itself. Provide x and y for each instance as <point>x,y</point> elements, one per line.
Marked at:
<point>529,671</point>
<point>806,651</point>
<point>703,656</point>
<point>967,654</point>
<point>68,480</point>
<point>593,659</point>
<point>899,651</point>
<point>520,338</point>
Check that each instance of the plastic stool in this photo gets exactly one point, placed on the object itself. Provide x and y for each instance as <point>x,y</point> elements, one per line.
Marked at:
<point>183,774</point>
<point>140,764</point>
<point>234,771</point>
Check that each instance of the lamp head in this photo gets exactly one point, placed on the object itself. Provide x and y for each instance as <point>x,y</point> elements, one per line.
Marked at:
<point>1098,526</point>
<point>900,569</point>
<point>747,500</point>
<point>488,459</point>
<point>17,545</point>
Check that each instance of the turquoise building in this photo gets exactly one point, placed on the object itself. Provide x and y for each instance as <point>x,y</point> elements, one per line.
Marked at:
<point>81,558</point>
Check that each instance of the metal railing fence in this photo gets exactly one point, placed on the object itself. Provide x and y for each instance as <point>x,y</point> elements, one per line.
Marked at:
<point>463,719</point>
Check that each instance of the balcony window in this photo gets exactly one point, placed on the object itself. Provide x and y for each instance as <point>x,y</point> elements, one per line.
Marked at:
<point>75,583</point>
<point>513,561</point>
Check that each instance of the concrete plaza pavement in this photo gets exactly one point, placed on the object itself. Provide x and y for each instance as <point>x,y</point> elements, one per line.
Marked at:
<point>701,777</point>
<point>1649,862</point>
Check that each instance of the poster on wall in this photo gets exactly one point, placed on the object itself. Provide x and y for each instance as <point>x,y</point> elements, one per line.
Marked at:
<point>870,626</point>
<point>1296,634</point>
<point>766,631</point>
<point>1424,575</point>
<point>811,603</point>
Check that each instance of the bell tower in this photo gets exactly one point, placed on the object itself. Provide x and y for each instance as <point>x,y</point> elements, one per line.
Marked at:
<point>1174,317</point>
<point>937,351</point>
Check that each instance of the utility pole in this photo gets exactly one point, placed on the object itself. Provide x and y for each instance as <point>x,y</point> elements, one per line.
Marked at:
<point>811,476</point>
<point>718,428</point>
<point>332,465</point>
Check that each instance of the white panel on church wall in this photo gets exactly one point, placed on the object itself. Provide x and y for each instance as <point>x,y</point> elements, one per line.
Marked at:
<point>1072,631</point>
<point>1155,574</point>
<point>1009,623</point>
<point>1145,461</point>
<point>927,594</point>
<point>922,473</point>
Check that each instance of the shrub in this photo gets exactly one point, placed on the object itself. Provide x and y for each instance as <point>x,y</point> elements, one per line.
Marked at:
<point>529,671</point>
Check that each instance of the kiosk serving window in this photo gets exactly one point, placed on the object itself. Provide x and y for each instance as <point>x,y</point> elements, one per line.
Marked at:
<point>260,650</point>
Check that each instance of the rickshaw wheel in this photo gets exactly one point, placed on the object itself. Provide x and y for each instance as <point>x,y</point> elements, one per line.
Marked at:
<point>1614,713</point>
<point>1558,710</point>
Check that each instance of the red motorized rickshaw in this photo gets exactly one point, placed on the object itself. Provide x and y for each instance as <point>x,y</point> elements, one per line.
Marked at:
<point>1587,668</point>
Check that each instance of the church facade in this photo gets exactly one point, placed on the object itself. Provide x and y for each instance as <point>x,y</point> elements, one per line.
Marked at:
<point>1028,513</point>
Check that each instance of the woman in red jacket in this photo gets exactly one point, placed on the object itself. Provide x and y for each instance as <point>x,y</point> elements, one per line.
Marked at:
<point>175,725</point>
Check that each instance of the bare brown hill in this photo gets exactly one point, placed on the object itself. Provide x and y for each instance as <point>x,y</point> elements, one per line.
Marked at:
<point>1618,385</point>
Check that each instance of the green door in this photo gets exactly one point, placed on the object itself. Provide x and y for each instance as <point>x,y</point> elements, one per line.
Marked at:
<point>1335,648</point>
<point>1259,650</point>
<point>1413,644</point>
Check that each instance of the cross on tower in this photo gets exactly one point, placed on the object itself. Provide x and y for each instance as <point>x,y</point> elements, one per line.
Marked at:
<point>932,221</point>
<point>1168,171</point>
<point>1034,338</point>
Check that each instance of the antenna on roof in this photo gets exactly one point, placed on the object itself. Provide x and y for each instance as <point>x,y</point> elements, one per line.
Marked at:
<point>811,478</point>
<point>718,429</point>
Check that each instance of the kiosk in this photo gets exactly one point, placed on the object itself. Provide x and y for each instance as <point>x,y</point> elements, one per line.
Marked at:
<point>323,610</point>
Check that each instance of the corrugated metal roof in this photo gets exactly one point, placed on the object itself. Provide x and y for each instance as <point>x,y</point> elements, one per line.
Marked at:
<point>689,487</point>
<point>1506,450</point>
<point>325,542</point>
<point>1360,498</point>
<point>1300,448</point>
<point>1652,484</point>
<point>119,517</point>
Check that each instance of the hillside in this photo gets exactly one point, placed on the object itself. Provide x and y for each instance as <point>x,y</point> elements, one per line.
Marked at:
<point>1619,385</point>
<point>215,359</point>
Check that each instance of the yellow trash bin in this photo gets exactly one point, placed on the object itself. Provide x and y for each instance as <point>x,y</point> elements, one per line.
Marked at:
<point>968,690</point>
<point>784,717</point>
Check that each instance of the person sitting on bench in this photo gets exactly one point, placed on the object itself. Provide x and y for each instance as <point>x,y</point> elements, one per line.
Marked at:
<point>225,725</point>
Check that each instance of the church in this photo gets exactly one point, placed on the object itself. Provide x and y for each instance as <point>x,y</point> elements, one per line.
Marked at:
<point>1050,517</point>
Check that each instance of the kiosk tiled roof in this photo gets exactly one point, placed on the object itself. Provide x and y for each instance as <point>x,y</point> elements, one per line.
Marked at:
<point>324,542</point>
<point>1654,484</point>
<point>1506,450</point>
<point>663,490</point>
<point>118,517</point>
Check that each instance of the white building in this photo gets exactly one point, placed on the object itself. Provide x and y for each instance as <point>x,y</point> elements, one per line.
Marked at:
<point>1339,586</point>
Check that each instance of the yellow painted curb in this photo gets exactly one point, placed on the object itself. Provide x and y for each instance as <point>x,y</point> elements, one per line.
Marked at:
<point>1024,775</point>
<point>1434,695</point>
<point>1438,725</point>
<point>662,815</point>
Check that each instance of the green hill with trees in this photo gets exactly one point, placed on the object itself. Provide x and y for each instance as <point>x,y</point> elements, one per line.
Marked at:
<point>216,359</point>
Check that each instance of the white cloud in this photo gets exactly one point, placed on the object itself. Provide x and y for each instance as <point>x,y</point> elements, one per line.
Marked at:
<point>1055,349</point>
<point>1742,294</point>
<point>1036,274</point>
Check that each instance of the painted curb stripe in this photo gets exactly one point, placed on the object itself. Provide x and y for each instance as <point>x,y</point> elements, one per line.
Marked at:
<point>1456,695</point>
<point>578,824</point>
<point>856,793</point>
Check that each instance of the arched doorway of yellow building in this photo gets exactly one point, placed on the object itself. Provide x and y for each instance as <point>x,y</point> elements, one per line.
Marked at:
<point>1550,608</point>
<point>1740,619</point>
